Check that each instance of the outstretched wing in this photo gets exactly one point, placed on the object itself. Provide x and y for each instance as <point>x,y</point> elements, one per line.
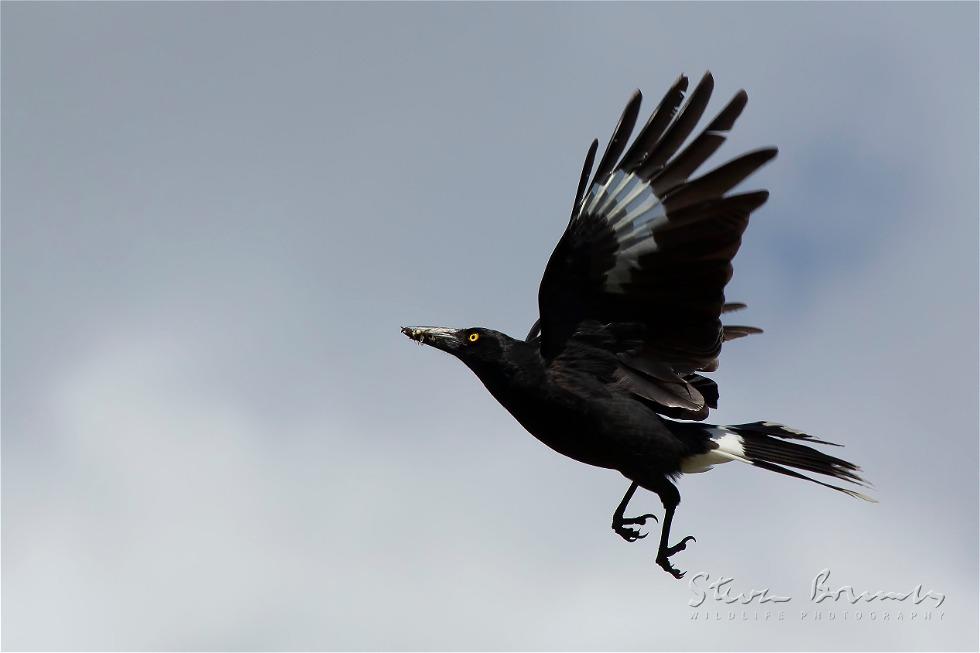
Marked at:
<point>648,251</point>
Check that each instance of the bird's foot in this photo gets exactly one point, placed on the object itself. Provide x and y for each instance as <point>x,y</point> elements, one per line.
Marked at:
<point>622,526</point>
<point>663,558</point>
<point>664,563</point>
<point>680,546</point>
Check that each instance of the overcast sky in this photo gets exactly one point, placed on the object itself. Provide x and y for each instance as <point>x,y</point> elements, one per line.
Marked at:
<point>216,217</point>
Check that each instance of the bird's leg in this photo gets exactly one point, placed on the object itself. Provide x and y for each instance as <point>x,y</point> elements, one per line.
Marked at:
<point>620,523</point>
<point>664,553</point>
<point>670,498</point>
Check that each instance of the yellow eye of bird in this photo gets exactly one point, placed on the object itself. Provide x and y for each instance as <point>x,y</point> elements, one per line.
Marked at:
<point>474,337</point>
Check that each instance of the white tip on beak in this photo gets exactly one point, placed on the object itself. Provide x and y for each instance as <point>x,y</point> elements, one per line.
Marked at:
<point>439,337</point>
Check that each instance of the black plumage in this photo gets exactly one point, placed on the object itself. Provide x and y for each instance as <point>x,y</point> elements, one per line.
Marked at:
<point>630,310</point>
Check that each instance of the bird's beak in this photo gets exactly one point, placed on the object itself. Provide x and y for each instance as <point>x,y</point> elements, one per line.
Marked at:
<point>438,337</point>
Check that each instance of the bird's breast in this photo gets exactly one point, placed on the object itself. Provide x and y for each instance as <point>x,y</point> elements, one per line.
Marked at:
<point>565,422</point>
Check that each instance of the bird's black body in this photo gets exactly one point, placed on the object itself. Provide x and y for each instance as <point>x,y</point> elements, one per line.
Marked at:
<point>570,406</point>
<point>630,318</point>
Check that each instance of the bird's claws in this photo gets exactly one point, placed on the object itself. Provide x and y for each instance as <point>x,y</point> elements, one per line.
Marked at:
<point>680,546</point>
<point>629,534</point>
<point>664,563</point>
<point>663,559</point>
<point>620,526</point>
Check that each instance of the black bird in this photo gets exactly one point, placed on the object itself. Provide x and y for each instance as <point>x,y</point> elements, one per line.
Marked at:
<point>630,307</point>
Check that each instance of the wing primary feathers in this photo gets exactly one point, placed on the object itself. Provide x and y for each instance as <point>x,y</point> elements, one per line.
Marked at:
<point>725,120</point>
<point>681,128</point>
<point>731,307</point>
<point>707,142</point>
<point>617,142</point>
<point>730,332</point>
<point>649,248</point>
<point>655,126</point>
<point>719,181</point>
<point>712,209</point>
<point>583,181</point>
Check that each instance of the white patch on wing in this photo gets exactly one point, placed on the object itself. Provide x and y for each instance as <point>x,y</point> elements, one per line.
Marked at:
<point>630,207</point>
<point>597,193</point>
<point>640,209</point>
<point>728,446</point>
<point>614,196</point>
<point>638,189</point>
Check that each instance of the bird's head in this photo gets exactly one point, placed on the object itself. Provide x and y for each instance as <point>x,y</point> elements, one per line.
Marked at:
<point>477,347</point>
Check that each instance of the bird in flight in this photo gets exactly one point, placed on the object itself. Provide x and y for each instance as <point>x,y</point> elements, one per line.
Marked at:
<point>630,309</point>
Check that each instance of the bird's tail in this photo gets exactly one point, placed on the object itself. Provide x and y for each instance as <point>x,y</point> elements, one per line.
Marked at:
<point>771,446</point>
